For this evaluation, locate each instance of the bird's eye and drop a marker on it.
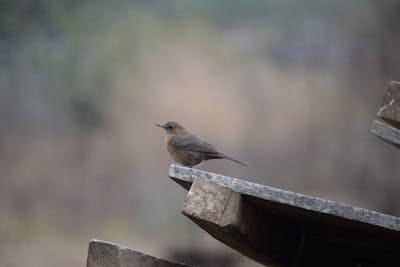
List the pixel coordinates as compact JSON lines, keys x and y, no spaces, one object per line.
{"x":169,"y":127}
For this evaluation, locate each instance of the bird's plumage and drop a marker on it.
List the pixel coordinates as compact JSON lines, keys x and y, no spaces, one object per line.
{"x":187,"y":149}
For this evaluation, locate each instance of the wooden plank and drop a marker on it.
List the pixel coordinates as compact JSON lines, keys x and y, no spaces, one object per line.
{"x":390,"y":105}
{"x":386,"y":132}
{"x":222,"y":213}
{"x":106,"y":254}
{"x":209,"y":201}
{"x":185,"y":177}
{"x":387,"y":127}
{"x":283,"y":228}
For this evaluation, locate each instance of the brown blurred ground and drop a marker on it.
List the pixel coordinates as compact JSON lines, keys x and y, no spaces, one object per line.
{"x":288,"y":87}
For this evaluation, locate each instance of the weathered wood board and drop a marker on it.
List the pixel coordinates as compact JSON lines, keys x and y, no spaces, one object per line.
{"x":282,"y":228}
{"x":390,"y":105}
{"x":106,"y":254}
{"x":387,"y":126}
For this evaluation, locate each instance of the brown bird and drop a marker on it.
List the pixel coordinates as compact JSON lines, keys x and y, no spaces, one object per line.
{"x":187,"y":149}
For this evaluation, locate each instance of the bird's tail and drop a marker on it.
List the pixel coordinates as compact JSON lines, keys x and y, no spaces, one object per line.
{"x":218,"y":155}
{"x":234,"y":160}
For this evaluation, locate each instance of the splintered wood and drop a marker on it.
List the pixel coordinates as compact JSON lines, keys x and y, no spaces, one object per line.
{"x":387,"y":126}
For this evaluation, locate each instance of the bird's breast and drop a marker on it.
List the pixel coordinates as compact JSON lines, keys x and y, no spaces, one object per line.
{"x":170,"y":147}
{"x":168,"y":140}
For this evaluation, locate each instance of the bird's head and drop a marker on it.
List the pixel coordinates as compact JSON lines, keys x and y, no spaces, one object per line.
{"x":172,"y":127}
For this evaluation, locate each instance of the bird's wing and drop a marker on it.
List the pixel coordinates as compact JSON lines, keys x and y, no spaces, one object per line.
{"x":190,"y":142}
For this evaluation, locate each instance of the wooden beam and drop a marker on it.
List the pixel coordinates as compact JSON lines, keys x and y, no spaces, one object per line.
{"x":387,"y":126}
{"x":226,"y":216}
{"x":106,"y":254}
{"x":214,"y":203}
{"x":185,"y":177}
{"x":386,"y":132}
{"x":282,"y":228}
{"x":390,"y":105}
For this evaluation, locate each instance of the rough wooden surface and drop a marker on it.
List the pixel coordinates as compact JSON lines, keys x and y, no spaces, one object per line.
{"x":387,"y":127}
{"x":185,"y":176}
{"x":214,"y":203}
{"x":222,"y":212}
{"x":390,"y":105}
{"x":286,"y":228}
{"x":386,"y":132}
{"x":106,"y":254}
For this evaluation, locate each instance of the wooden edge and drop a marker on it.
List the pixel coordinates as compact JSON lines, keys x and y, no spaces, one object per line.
{"x":390,"y":104}
{"x":185,"y":176}
{"x":107,"y":254}
{"x":217,"y":204}
{"x":387,"y":132}
{"x":226,"y":216}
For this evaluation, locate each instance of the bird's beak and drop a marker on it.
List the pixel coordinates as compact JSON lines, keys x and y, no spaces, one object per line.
{"x":160,"y":125}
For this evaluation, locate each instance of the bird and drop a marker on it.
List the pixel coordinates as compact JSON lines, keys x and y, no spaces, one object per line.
{"x":187,"y":149}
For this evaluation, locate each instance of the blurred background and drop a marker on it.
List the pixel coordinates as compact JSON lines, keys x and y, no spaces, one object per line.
{"x":290,"y":87}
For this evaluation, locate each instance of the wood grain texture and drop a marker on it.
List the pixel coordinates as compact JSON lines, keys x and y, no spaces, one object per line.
{"x":386,"y":132}
{"x":106,"y":254}
{"x":185,"y":177}
{"x":214,"y":203}
{"x":282,"y":228}
{"x":387,"y":126}
{"x":227,"y":217}
{"x":390,"y":105}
